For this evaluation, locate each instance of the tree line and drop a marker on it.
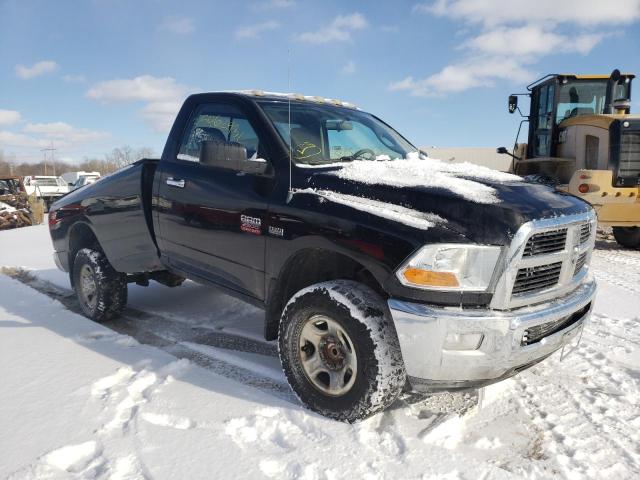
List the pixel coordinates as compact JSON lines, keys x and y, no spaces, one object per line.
{"x":118,"y":158}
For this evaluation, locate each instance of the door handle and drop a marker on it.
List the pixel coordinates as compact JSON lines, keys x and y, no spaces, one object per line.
{"x":175,"y":182}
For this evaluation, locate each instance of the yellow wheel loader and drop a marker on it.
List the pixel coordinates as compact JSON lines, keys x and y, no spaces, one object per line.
{"x":583,"y":139}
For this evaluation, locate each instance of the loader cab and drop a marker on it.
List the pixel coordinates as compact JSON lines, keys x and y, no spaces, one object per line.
{"x":557,"y":98}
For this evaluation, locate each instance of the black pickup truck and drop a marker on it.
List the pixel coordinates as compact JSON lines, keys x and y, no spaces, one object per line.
{"x":378,"y":268}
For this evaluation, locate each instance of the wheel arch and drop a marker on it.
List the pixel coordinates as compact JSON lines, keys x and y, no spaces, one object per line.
{"x":81,"y":235}
{"x":309,"y":266}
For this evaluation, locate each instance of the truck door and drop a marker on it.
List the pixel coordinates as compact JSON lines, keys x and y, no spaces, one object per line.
{"x":211,"y":219}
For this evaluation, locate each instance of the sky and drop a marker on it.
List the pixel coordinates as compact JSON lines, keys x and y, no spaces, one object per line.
{"x":89,"y":76}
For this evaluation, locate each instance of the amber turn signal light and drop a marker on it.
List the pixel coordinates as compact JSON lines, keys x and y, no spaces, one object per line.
{"x":430,"y":278}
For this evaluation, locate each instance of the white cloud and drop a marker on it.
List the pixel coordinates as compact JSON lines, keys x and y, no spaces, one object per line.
{"x":9,"y":117}
{"x":273,"y":4}
{"x":160,"y":115}
{"x":531,"y":40}
{"x":349,"y":68}
{"x":476,"y":72}
{"x":255,"y":31}
{"x":163,"y":97}
{"x":13,"y":139}
{"x":500,"y":12}
{"x":35,"y":70}
{"x":74,"y":78}
{"x":64,"y":131}
{"x":178,"y":24}
{"x":505,"y":38}
{"x":339,"y":30}
{"x":142,"y":88}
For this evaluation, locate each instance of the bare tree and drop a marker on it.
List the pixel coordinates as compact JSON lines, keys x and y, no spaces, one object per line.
{"x":118,"y":158}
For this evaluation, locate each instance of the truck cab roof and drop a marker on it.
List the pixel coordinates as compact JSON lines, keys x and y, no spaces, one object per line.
{"x":278,"y":96}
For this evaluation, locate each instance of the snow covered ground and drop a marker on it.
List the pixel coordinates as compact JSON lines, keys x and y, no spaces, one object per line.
{"x":184,"y":387}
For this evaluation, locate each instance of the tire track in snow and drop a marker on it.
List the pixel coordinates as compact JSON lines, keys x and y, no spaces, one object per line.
{"x":617,"y":266}
{"x":170,"y":336}
{"x":583,"y":423}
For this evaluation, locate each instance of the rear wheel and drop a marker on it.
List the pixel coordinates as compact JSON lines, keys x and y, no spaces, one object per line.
{"x":627,"y":236}
{"x":101,"y":291}
{"x":340,"y":351}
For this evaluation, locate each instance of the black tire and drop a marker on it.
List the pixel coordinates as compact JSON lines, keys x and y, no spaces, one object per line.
{"x":109,"y":297}
{"x":627,"y":236}
{"x":360,"y":313}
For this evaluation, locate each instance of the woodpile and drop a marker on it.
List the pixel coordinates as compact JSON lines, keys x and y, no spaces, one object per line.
{"x":15,"y":211}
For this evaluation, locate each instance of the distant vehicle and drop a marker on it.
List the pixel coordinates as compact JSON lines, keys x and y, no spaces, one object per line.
{"x":71,"y":178}
{"x":583,"y":139}
{"x":85,"y":180}
{"x":378,"y":268}
{"x":47,"y":187}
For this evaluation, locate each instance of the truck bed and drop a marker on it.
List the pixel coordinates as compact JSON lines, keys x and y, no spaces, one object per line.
{"x":118,"y":211}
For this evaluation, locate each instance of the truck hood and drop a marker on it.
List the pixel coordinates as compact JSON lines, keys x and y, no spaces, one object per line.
{"x":486,"y":208}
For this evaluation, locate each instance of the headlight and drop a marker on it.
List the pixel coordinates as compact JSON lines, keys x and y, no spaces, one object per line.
{"x":453,"y":266}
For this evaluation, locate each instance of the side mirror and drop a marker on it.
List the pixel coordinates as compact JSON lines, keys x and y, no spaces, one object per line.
{"x":513,"y":103}
{"x":502,"y":150}
{"x":230,"y":156}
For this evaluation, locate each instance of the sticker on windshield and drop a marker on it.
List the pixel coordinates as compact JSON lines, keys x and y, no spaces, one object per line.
{"x":307,"y":150}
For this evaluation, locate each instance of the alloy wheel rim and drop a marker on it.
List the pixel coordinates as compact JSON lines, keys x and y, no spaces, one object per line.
{"x":327,"y":355}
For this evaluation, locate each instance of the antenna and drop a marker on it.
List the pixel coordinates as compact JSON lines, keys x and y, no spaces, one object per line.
{"x":290,"y":192}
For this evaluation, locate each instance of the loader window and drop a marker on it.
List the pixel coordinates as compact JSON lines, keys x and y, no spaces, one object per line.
{"x":543,"y":121}
{"x":585,"y":97}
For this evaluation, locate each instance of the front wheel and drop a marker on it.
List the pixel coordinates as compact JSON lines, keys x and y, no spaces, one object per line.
{"x":101,"y":291}
{"x":340,"y":351}
{"x":627,"y":236}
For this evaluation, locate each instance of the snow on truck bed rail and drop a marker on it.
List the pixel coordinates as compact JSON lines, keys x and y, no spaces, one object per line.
{"x":415,"y":171}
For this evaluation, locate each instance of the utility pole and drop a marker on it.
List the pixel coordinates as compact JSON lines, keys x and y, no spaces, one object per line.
{"x":50,"y":149}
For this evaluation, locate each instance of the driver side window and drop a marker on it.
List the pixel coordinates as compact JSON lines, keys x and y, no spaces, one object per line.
{"x":225,"y":124}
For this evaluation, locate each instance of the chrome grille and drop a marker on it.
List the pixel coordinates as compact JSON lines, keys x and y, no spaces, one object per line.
{"x":534,"y":279}
{"x":585,"y":232}
{"x":580,"y":263}
{"x":542,"y":260}
{"x":546,"y":242}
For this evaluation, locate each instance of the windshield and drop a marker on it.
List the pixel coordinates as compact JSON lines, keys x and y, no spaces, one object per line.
{"x":326,"y":134}
{"x":586,"y":97}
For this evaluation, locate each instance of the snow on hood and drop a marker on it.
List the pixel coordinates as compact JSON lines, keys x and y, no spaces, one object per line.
{"x":415,"y":171}
{"x":389,"y":211}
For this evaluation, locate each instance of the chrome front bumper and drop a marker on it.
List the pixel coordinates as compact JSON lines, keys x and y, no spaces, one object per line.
{"x":433,"y":360}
